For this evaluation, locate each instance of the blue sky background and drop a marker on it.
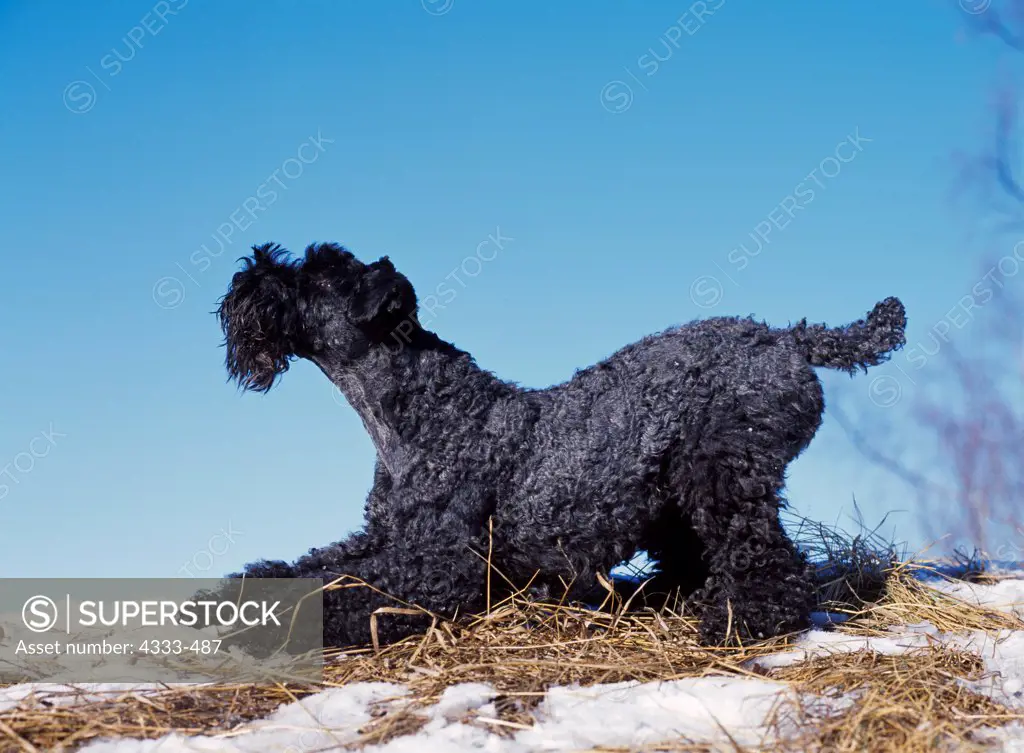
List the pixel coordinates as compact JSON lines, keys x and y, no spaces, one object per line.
{"x":440,"y":125}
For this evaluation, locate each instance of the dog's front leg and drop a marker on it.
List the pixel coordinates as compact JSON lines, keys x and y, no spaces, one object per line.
{"x":428,"y":564}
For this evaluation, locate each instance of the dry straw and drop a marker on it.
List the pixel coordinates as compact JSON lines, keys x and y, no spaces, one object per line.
{"x":910,"y":702}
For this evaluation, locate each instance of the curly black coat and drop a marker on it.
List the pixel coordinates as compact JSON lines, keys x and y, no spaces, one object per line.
{"x":677,"y":445}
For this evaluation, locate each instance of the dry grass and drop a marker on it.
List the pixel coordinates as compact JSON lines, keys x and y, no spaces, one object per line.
{"x":909,"y":702}
{"x":906,"y":600}
{"x":972,"y":567}
{"x":39,"y":725}
{"x":853,"y":567}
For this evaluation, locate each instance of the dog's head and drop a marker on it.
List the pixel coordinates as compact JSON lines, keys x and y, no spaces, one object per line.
{"x":328,"y":304}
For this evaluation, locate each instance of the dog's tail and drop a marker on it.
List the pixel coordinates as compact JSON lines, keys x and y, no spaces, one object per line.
{"x":867,"y":342}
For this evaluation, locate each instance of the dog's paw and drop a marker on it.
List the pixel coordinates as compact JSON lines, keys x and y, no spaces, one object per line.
{"x":729,"y":624}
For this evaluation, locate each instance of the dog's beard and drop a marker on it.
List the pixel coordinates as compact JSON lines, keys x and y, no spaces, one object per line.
{"x":260,"y":320}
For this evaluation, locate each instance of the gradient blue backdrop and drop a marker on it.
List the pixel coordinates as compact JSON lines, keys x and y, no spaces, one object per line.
{"x":127,"y":141}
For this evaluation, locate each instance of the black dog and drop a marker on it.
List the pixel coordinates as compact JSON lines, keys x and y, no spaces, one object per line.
{"x":676,"y":445}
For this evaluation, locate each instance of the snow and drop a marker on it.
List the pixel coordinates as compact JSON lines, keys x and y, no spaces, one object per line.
{"x":569,"y":719}
{"x":627,"y":714}
{"x":318,"y":722}
{"x":815,"y":643}
{"x":1003,"y":657}
{"x":1005,"y":595}
{"x":716,"y":710}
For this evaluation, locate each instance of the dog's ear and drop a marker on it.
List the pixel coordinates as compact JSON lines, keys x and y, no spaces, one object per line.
{"x":383,"y":298}
{"x":260,"y":318}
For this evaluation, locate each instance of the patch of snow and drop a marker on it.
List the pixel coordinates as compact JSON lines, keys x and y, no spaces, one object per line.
{"x":704,"y":709}
{"x":458,"y":700}
{"x":318,"y":722}
{"x":815,"y":643}
{"x":1008,"y":739}
{"x":824,"y":619}
{"x":1003,"y":657}
{"x":1005,"y":595}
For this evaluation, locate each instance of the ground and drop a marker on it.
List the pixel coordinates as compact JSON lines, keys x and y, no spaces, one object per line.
{"x":931,"y":663}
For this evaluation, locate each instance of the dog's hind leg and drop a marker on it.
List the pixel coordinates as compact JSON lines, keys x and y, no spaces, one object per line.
{"x":760,"y":584}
